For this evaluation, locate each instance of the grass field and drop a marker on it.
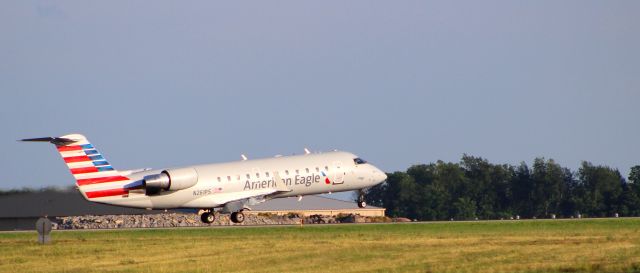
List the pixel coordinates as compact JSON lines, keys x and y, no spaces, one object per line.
{"x":611,"y":245}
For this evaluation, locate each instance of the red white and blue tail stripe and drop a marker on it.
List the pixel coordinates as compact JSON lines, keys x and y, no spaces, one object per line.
{"x":95,"y":177}
{"x":87,"y":165}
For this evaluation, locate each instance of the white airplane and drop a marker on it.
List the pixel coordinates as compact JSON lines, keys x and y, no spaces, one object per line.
{"x":230,"y":187}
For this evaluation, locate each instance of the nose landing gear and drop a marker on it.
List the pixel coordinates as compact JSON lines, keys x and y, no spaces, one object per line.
{"x":361,"y":203}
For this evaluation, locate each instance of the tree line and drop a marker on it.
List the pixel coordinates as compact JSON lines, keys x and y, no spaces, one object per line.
{"x":47,"y":189}
{"x":475,"y":188}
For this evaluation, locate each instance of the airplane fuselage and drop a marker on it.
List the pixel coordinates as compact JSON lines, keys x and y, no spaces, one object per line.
{"x":299,"y":175}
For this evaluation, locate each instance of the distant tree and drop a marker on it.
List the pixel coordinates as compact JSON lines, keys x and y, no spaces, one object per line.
{"x":630,"y":199}
{"x":602,"y":189}
{"x":422,"y":174}
{"x":572,"y":192}
{"x":401,"y":197}
{"x":432,"y":195}
{"x":634,"y":175}
{"x":449,"y":184}
{"x":433,"y":203}
{"x":464,"y":209}
{"x":523,"y":189}
{"x":478,"y":172}
{"x":548,"y":180}
{"x":501,"y":177}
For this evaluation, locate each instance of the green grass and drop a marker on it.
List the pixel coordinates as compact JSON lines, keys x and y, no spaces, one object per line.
{"x":607,"y":245}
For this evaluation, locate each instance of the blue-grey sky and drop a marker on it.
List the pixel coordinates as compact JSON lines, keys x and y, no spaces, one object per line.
{"x":159,"y":84}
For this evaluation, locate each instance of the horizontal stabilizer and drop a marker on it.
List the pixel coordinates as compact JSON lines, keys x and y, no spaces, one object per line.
{"x":54,"y":140}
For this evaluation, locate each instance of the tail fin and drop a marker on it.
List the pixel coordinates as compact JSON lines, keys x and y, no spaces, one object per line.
{"x":95,"y":177}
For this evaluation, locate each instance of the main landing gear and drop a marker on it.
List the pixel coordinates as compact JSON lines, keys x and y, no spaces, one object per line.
{"x":208,"y":217}
{"x":361,"y":203}
{"x":237,"y":217}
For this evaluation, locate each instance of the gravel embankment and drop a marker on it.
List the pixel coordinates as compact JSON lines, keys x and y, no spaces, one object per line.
{"x":193,"y":220}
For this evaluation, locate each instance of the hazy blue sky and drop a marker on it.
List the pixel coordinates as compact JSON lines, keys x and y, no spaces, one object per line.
{"x":159,"y":84}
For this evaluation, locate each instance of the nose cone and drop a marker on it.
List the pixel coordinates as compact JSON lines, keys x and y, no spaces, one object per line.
{"x":382,"y":176}
{"x":378,"y":175}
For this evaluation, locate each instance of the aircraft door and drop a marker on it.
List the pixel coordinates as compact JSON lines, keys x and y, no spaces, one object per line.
{"x":338,"y":174}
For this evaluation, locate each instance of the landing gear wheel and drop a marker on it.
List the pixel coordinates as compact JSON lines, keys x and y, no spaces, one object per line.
{"x":361,"y":202}
{"x":207,"y":217}
{"x":237,"y":217}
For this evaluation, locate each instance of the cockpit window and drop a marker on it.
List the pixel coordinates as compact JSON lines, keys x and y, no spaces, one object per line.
{"x":359,"y":161}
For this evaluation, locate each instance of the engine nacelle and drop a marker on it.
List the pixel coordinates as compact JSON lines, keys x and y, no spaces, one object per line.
{"x":170,"y":180}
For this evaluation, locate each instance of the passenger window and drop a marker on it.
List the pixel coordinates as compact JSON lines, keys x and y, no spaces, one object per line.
{"x":317,"y":169}
{"x":229,"y":178}
{"x":219,"y":180}
{"x":257,"y":175}
{"x":267,"y":174}
{"x":306,"y":169}
{"x":297,"y":172}
{"x":248,"y":176}
{"x":286,"y":172}
{"x":238,"y":177}
{"x":326,"y":168}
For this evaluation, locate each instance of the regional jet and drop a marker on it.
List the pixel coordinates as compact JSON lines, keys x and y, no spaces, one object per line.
{"x":231,"y":187}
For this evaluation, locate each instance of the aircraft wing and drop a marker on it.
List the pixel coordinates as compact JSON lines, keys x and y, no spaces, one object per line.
{"x":239,"y":200}
{"x":224,"y":198}
{"x":235,"y":201}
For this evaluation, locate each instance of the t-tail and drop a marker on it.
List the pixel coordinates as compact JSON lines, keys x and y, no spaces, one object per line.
{"x":96,"y":179}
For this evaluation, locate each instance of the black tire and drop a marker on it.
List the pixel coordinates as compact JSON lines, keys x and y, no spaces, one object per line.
{"x":237,"y":217}
{"x":232,"y":217}
{"x":207,"y":217}
{"x":362,"y":204}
